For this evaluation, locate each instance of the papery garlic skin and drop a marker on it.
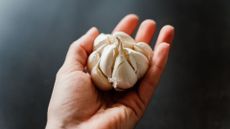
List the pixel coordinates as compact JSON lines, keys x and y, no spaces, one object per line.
{"x":118,"y":61}
{"x":93,"y":58}
{"x":107,"y":59}
{"x":144,"y":48}
{"x":139,"y":61}
{"x":99,"y":79}
{"x":127,"y":41}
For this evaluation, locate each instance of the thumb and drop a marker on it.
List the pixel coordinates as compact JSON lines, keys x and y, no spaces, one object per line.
{"x":80,"y":49}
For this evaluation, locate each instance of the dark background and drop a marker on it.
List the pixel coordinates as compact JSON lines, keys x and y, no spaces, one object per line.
{"x":194,"y":92}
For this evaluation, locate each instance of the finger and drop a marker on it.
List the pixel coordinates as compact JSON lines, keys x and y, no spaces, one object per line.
{"x":150,"y":80}
{"x":166,"y":35}
{"x":146,"y":31}
{"x":79,"y":50}
{"x":127,"y":24}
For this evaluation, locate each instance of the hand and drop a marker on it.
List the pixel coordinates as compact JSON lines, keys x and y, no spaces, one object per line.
{"x":77,"y":104}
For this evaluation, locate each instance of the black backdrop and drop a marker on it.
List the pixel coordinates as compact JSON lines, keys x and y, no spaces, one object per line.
{"x":194,"y":92}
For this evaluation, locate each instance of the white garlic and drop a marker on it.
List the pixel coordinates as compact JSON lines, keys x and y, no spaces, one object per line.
{"x":118,"y":61}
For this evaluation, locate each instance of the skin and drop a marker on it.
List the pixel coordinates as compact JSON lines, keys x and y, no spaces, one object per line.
{"x":77,"y":104}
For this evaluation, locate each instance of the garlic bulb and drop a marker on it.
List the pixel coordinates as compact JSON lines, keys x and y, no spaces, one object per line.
{"x":118,"y":61}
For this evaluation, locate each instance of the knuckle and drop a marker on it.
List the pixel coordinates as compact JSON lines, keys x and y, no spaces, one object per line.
{"x":72,"y":45}
{"x":159,"y":68}
{"x":60,"y":72}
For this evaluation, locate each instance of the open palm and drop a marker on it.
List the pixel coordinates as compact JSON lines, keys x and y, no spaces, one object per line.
{"x":77,"y":103}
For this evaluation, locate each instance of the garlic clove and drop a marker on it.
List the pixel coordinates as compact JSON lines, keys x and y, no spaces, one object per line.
{"x":101,"y":48}
{"x":101,"y":40}
{"x":93,"y":60}
{"x":107,"y":59}
{"x":127,"y":41}
{"x":138,"y":61}
{"x":123,"y":75}
{"x":144,"y":48}
{"x":99,"y":79}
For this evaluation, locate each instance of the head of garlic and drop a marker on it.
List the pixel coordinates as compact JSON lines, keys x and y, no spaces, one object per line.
{"x":118,"y":61}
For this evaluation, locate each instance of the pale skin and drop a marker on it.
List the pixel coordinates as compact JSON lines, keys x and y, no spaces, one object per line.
{"x":76,"y":103}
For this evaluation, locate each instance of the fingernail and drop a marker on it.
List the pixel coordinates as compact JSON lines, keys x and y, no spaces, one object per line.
{"x":91,"y":30}
{"x":133,"y":15}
